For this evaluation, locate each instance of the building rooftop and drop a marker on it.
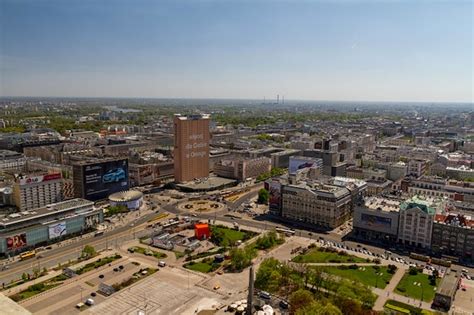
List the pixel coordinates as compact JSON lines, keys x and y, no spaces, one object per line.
{"x":424,"y":204}
{"x":59,"y":207}
{"x":192,"y":117}
{"x":383,"y":204}
{"x":448,"y":285}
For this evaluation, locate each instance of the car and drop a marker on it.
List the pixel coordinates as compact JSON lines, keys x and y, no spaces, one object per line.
{"x":49,"y":247}
{"x":264,"y":295}
{"x":116,"y":269}
{"x":89,"y":302}
{"x":121,"y":267}
{"x":161,"y":264}
{"x":284,"y":305}
{"x":114,"y":175}
{"x":80,"y":305}
{"x":93,"y":294}
{"x":220,"y":272}
{"x":464,"y":270}
{"x":217,"y":287}
{"x":101,"y":276}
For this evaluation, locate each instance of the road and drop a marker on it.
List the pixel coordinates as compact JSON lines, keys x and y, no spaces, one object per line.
{"x":70,"y":249}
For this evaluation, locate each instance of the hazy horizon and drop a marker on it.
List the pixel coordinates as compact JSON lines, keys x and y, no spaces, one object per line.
{"x":307,"y":51}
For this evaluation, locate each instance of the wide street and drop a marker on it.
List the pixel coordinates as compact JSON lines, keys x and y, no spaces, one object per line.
{"x":137,"y":227}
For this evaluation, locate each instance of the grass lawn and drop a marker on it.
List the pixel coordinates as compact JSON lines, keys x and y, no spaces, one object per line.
{"x":318,"y":255}
{"x":364,"y":274}
{"x":33,"y":290}
{"x":199,"y":266}
{"x":141,"y":250}
{"x":403,"y":308}
{"x":204,"y":266}
{"x":230,"y":234}
{"x":406,"y":287}
{"x":98,"y":263}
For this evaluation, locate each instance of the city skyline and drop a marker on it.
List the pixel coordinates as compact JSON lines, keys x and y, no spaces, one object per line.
{"x":341,"y":51}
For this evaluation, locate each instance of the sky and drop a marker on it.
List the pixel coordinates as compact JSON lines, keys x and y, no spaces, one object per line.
{"x":313,"y":50}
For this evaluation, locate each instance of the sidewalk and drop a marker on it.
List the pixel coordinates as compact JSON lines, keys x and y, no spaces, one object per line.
{"x":52,"y":273}
{"x":388,"y":294}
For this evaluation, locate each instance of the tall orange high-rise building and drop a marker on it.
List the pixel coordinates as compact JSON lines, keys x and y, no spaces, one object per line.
{"x":191,"y":147}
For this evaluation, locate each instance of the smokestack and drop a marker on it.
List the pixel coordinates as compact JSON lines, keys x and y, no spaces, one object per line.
{"x":250,"y":296}
{"x":278,"y":98}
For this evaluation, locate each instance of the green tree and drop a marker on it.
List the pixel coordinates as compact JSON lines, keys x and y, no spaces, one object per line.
{"x":300,"y":299}
{"x":241,"y":258}
{"x":88,"y":251}
{"x":263,"y":196}
{"x":317,"y":308}
{"x":24,"y":276}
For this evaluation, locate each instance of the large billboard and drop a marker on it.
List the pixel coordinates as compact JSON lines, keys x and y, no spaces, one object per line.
{"x":57,"y":230}
{"x":274,"y":188}
{"x":298,"y":163}
{"x":24,"y":180}
{"x":375,"y":221}
{"x":16,"y":241}
{"x":105,"y":178}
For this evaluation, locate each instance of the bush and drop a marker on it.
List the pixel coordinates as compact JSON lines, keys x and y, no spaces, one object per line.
{"x":353,"y":266}
{"x":401,"y":289}
{"x":412,"y":271}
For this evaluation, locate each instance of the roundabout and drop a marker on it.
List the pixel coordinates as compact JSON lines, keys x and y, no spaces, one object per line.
{"x":200,"y":206}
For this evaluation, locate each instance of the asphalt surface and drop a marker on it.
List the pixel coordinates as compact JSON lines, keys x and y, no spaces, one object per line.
{"x":71,"y":249}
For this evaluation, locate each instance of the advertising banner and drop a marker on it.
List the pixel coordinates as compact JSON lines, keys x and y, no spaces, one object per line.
{"x":103,"y":179}
{"x":299,"y":163}
{"x":24,"y":180}
{"x":275,"y":195}
{"x":57,"y":230}
{"x":16,"y":241}
{"x":376,"y":221}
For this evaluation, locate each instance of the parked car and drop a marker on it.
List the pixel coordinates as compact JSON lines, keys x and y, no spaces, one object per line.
{"x":264,"y":295}
{"x":89,"y":302}
{"x":284,"y":305}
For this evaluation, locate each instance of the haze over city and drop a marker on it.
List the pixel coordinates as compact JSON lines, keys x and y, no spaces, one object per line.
{"x":313,"y":50}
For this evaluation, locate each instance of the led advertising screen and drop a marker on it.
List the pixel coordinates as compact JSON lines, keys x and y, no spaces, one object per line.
{"x":102,"y":179}
{"x":16,"y":241}
{"x":57,"y":230}
{"x":376,"y":221}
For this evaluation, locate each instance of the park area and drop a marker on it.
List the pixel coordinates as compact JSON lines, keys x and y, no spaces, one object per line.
{"x":327,"y":255}
{"x":417,"y":286}
{"x":392,"y":306}
{"x":224,"y":236}
{"x":205,"y":266}
{"x":147,"y":252}
{"x":374,"y":276}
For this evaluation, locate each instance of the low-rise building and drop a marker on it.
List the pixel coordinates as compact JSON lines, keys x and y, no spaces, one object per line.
{"x":29,"y":229}
{"x":453,"y":235}
{"x":376,"y":220}
{"x":416,"y":222}
{"x":241,"y":169}
{"x":37,"y":190}
{"x":316,"y":203}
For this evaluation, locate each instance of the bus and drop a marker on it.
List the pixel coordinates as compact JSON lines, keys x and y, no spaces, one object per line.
{"x":27,"y":255}
{"x":286,"y":231}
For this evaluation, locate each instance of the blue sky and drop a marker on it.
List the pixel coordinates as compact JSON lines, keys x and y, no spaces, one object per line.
{"x":318,"y":50}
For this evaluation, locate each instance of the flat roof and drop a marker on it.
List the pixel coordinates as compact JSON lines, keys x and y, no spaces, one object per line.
{"x":59,"y":207}
{"x":384,"y":204}
{"x":210,"y":183}
{"x":448,"y":285}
